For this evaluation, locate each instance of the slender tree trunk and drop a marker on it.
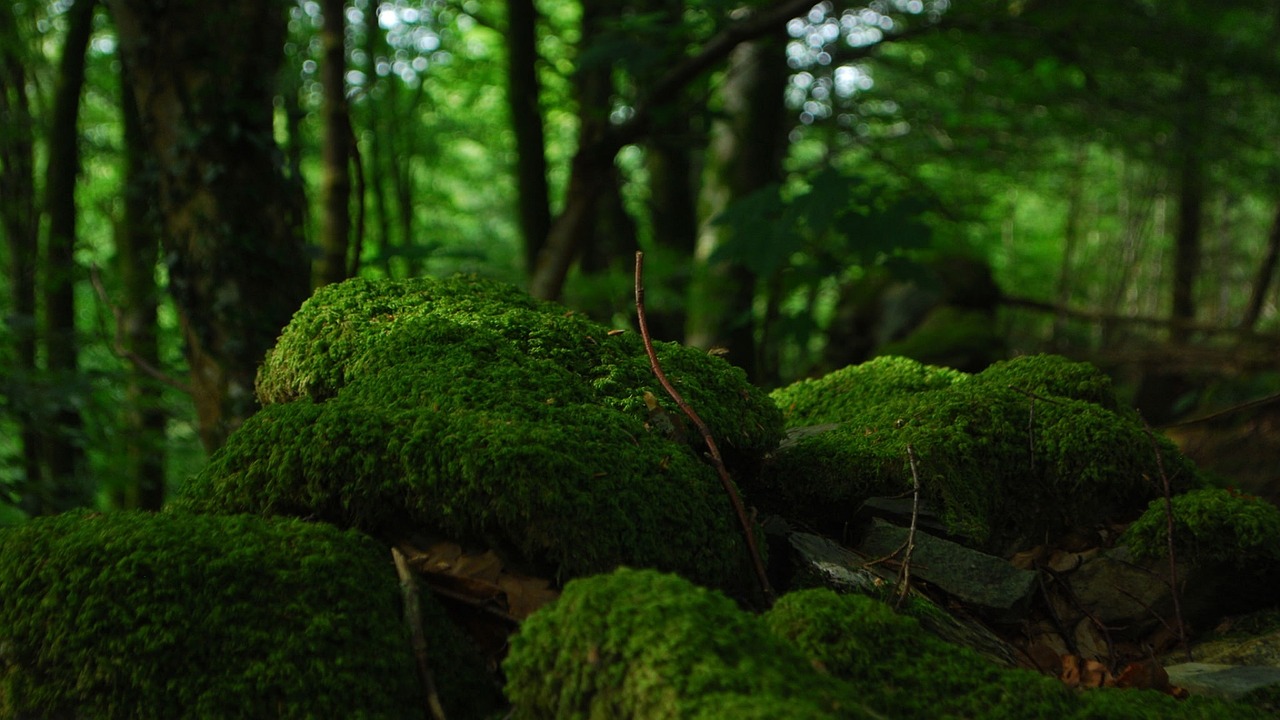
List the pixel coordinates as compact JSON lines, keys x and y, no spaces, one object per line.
{"x":1070,"y":242}
{"x":335,"y":188}
{"x":19,"y":216}
{"x":204,"y":77}
{"x":137,"y":248}
{"x":524,"y":96}
{"x":376,"y":161}
{"x":747,"y":148}
{"x":1266,"y":272}
{"x":64,"y":451}
{"x":1191,"y":200}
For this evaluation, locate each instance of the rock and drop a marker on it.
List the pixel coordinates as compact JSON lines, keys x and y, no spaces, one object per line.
{"x":830,"y":565}
{"x":1222,"y":680}
{"x":983,"y":581}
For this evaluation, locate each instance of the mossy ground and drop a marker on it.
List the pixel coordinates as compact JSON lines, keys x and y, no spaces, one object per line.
{"x":642,"y":644}
{"x":134,"y":615}
{"x":467,"y":408}
{"x":1025,"y":449}
{"x":639,"y":644}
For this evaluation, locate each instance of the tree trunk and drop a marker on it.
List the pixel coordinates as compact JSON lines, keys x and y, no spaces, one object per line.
{"x":64,"y":452}
{"x":335,"y":187}
{"x":524,"y":95}
{"x":1266,"y":271}
{"x":137,"y":248}
{"x":19,"y":216}
{"x":1191,"y":199}
{"x":204,"y":76}
{"x":747,"y":147}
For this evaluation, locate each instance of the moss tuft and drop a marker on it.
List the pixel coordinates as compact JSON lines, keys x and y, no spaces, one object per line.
{"x":133,"y":615}
{"x":641,"y":644}
{"x":468,"y":408}
{"x":1210,"y":525}
{"x":904,"y":672}
{"x":1025,"y":448}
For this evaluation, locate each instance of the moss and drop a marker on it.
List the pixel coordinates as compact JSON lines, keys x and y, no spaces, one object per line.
{"x":134,"y":615}
{"x":1001,"y":466}
{"x":472,"y":410}
{"x":904,"y":672}
{"x":641,"y":644}
{"x":1210,"y":525}
{"x":838,"y":395}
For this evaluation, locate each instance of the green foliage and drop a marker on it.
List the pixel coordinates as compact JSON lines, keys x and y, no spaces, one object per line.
{"x":1210,"y":525}
{"x":468,"y":408}
{"x":1000,"y":465}
{"x":899,"y":669}
{"x":135,"y":615}
{"x":641,"y":644}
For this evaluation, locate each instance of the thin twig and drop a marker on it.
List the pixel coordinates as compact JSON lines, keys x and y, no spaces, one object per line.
{"x":713,"y":450}
{"x":904,"y":580}
{"x":117,"y":342}
{"x":1173,"y":559}
{"x":413,"y":617}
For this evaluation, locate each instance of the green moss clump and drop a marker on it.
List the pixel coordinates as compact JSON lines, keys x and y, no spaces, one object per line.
{"x":1025,"y":448}
{"x":135,"y":615}
{"x":839,"y":395}
{"x":468,"y":408}
{"x":641,"y":644}
{"x":904,"y":672}
{"x":1210,"y":525}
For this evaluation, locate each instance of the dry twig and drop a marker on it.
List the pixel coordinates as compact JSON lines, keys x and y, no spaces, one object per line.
{"x":713,"y":450}
{"x":413,"y":617}
{"x":1180,"y":626}
{"x":904,"y":579}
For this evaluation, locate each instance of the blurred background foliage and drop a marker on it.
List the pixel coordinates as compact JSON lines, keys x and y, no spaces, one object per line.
{"x":813,"y":184}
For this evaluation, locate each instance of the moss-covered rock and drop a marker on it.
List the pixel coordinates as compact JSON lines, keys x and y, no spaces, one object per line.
{"x":1027,"y":447}
{"x":1210,"y":526}
{"x":468,"y":408}
{"x":133,"y":615}
{"x":641,"y":644}
{"x":902,"y":671}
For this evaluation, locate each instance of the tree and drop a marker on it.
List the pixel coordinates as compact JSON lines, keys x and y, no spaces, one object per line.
{"x":335,"y":190}
{"x":64,"y":455}
{"x":203,"y":77}
{"x":20,"y":219}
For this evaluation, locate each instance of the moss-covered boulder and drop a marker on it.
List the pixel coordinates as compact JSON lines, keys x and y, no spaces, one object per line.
{"x":467,"y":408}
{"x":1028,"y":447}
{"x":905,"y":672}
{"x":133,"y":615}
{"x":641,"y":644}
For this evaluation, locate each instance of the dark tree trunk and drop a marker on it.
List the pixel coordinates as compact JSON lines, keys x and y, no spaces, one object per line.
{"x":137,"y":248}
{"x":1191,"y":199}
{"x":747,"y":147}
{"x":670,"y":160}
{"x":1262,"y":281}
{"x":524,"y":94}
{"x":335,"y":188}
{"x":204,"y":79}
{"x":19,"y":216}
{"x":64,"y":452}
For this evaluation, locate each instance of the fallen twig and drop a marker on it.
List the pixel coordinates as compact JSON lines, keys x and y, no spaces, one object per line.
{"x":904,"y":579}
{"x":713,"y":450}
{"x":413,"y":617}
{"x":1180,"y":626}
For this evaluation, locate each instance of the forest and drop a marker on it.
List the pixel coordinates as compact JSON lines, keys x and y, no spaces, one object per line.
{"x":812,"y":186}
{"x":804,"y":179}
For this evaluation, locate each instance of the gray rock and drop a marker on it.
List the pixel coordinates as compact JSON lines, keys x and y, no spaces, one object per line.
{"x":1219,"y":680}
{"x":982,"y":581}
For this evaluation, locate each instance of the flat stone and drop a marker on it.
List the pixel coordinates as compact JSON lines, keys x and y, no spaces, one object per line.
{"x":980,"y":580}
{"x":1219,"y":680}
